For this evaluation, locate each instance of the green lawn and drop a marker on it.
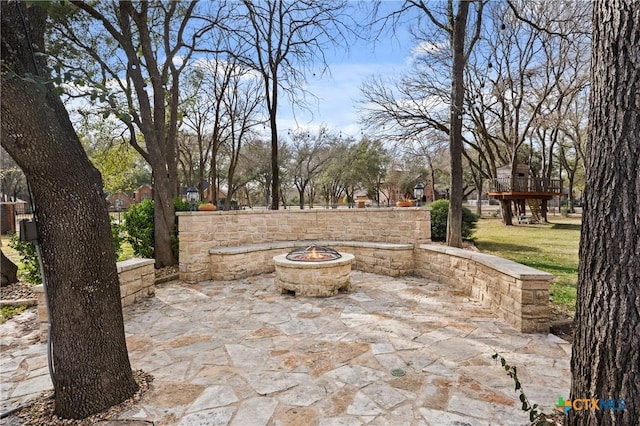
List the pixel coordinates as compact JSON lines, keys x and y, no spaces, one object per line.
{"x":550,"y":247}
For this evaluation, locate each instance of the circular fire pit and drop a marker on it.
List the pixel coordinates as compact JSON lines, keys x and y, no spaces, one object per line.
{"x":317,"y":275}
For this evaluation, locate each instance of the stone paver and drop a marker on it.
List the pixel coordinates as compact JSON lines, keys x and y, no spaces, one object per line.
{"x":240,"y":353}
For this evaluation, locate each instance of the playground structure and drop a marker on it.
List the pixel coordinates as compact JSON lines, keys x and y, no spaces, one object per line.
{"x":522,"y":189}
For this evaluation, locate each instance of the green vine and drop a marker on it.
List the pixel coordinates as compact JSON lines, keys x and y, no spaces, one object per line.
{"x":536,"y":417}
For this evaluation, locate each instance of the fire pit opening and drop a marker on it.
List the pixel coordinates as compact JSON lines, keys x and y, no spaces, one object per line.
{"x":313,"y":253}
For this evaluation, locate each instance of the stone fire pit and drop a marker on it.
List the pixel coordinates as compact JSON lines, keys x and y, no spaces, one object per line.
{"x":313,"y":278}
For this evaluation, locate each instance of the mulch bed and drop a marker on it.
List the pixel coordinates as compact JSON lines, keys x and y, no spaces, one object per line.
{"x":41,"y":410}
{"x":19,"y":290}
{"x":562,"y":325}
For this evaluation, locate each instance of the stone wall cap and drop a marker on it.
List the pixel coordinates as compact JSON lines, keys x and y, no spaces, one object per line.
{"x":368,"y":244}
{"x":506,"y":266}
{"x":305,"y":211}
{"x":133,"y":263}
{"x":248,"y":248}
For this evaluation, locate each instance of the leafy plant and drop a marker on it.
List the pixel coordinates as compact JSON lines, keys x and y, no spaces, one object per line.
{"x":139,"y":225}
{"x":30,"y":269}
{"x":181,"y":205}
{"x":439,"y":213}
{"x":536,"y":417}
{"x":116,"y":235}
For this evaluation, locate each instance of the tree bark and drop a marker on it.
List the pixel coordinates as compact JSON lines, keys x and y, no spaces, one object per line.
{"x":454,"y":218}
{"x":606,"y":351}
{"x":507,"y":213}
{"x":90,"y":360}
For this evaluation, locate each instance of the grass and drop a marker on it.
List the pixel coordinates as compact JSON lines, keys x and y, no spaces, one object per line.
{"x":549,"y":247}
{"x":7,"y":312}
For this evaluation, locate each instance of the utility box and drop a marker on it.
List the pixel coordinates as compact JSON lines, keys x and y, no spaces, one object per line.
{"x":28,"y":230}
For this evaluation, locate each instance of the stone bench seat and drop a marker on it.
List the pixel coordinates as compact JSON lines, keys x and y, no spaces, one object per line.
{"x":517,"y":293}
{"x":234,"y":262}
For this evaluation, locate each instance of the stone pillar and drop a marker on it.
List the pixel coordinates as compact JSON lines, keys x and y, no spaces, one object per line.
{"x":43,"y":315}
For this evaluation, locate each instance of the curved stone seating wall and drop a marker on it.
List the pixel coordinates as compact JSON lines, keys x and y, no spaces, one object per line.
{"x":231,"y":245}
{"x":235,"y":244}
{"x":517,"y":293}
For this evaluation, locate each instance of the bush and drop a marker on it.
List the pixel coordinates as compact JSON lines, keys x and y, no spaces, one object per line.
{"x":116,"y":235}
{"x":138,"y":222}
{"x":181,"y":205}
{"x":139,"y":226}
{"x":30,"y":269}
{"x":439,"y":213}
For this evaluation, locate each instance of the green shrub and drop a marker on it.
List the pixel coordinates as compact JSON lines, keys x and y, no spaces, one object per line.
{"x":30,"y":269}
{"x":139,"y":227}
{"x":116,"y":235}
{"x":181,"y":205}
{"x":439,"y":213}
{"x":138,"y":223}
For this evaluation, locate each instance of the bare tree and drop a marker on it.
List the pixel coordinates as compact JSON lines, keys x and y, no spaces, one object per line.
{"x":254,"y":167}
{"x":521,"y":84}
{"x":333,"y":181}
{"x":574,"y":141}
{"x":13,"y":184}
{"x":288,"y":39}
{"x":309,"y":156}
{"x":240,"y":101}
{"x":447,"y":34}
{"x":606,"y":347}
{"x":197,"y":144}
{"x":566,"y":66}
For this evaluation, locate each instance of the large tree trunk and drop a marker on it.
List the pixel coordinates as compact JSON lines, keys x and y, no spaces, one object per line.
{"x":164,"y":218}
{"x":507,"y":213}
{"x":90,"y":360}
{"x":454,"y":218}
{"x":606,"y":352}
{"x":544,"y":210}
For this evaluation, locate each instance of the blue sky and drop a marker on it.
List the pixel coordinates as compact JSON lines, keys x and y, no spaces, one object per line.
{"x":338,"y":91}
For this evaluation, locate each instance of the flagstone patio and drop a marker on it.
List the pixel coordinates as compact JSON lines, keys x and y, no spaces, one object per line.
{"x":392,"y":351}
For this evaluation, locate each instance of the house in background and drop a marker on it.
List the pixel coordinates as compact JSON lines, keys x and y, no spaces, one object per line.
{"x":12,"y":210}
{"x":119,"y":202}
{"x":144,"y":192}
